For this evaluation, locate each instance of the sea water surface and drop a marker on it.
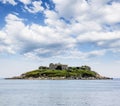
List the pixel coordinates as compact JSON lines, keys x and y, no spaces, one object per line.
{"x":59,"y":92}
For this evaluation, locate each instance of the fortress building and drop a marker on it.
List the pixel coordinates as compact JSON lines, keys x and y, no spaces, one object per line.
{"x":58,"y":66}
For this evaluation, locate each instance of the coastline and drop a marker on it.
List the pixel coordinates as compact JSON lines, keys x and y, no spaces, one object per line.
{"x":57,"y":78}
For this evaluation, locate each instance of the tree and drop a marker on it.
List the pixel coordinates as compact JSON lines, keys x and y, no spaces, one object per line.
{"x":85,"y":68}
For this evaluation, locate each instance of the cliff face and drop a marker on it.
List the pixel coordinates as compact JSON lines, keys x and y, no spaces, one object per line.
{"x":83,"y":72}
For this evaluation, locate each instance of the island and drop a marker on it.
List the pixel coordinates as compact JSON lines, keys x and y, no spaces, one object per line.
{"x":61,"y":72}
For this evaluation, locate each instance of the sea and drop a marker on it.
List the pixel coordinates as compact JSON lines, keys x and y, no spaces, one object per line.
{"x":59,"y":92}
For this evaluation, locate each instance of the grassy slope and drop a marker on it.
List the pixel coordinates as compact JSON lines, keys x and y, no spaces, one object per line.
{"x":76,"y":73}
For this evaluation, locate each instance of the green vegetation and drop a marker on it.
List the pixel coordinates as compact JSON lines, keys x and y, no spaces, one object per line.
{"x":60,"y":71}
{"x":71,"y":72}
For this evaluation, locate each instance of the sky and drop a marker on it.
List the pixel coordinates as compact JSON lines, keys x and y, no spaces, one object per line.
{"x":73,"y":32}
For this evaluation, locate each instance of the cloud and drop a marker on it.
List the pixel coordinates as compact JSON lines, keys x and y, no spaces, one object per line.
{"x":91,"y":21}
{"x":65,"y":30}
{"x":8,"y":1}
{"x":35,"y":7}
{"x":101,"y":11}
{"x":116,"y":44}
{"x":101,"y":39}
{"x":25,"y":2}
{"x":83,"y":56}
{"x":29,"y":5}
{"x":111,"y":13}
{"x":35,"y":39}
{"x":74,"y":8}
{"x":5,"y":42}
{"x":99,"y":36}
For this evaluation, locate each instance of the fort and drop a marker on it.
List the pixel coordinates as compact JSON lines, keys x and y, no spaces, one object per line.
{"x":56,"y":66}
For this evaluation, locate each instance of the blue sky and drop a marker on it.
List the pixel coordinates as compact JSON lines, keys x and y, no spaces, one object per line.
{"x":73,"y":32}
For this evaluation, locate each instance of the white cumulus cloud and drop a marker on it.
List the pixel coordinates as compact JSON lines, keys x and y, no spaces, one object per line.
{"x":70,"y":25}
{"x":26,"y":1}
{"x":36,"y":39}
{"x":8,"y":1}
{"x":35,"y":7}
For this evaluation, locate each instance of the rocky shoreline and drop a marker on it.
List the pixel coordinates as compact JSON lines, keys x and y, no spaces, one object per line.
{"x":58,"y":78}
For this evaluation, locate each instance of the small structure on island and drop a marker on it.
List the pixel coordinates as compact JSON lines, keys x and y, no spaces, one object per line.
{"x":43,"y":67}
{"x":58,"y":66}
